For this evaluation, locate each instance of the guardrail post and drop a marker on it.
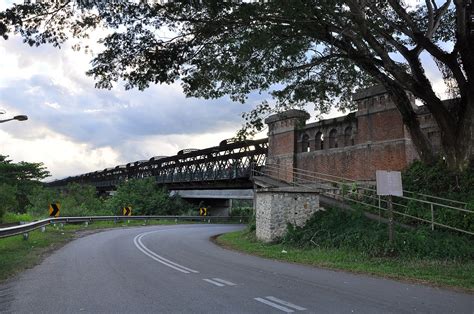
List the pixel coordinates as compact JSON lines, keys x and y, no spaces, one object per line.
{"x":26,"y":235}
{"x":43,"y":229}
{"x":86,"y":223}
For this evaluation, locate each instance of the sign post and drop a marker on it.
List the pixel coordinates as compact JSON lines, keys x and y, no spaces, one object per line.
{"x":389,"y":183}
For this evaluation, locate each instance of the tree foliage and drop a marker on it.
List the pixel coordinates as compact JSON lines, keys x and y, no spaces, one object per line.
{"x":301,"y":52}
{"x":146,"y":198}
{"x":17,"y":181}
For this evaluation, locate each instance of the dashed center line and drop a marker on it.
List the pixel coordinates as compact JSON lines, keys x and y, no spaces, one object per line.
{"x":224,"y":282}
{"x":284,"y":306}
{"x":214,"y":282}
{"x":219,"y":282}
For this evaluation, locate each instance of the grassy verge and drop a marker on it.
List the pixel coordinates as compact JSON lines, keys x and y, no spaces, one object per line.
{"x":17,"y":254}
{"x":434,"y":272}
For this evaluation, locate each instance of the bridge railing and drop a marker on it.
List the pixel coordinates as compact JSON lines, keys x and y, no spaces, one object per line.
{"x":28,"y":227}
{"x":228,"y":161}
{"x":413,"y":208}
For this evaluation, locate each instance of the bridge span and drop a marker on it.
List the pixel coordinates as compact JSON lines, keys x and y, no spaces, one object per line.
{"x":220,"y":173}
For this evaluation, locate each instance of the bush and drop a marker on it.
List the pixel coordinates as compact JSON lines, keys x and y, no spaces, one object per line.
{"x":438,"y":180}
{"x":338,"y":229}
{"x":146,"y":198}
{"x":11,"y":217}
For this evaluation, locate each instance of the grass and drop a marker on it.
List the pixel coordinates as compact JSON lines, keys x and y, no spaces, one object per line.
{"x":17,"y":254}
{"x":457,"y":275}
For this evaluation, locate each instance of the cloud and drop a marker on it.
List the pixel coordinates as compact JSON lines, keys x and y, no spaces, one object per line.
{"x":75,"y":128}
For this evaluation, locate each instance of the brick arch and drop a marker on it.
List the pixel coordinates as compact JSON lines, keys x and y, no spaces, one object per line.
{"x":305,"y":143}
{"x":348,"y":136}
{"x":319,"y":141}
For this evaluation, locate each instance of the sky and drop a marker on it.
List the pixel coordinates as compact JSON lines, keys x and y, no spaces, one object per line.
{"x":74,"y":128}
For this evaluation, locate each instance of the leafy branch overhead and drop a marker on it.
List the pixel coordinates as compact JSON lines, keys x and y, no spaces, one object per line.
{"x":300,"y":52}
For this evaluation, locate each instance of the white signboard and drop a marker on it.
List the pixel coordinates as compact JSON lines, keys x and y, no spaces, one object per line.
{"x":389,"y":183}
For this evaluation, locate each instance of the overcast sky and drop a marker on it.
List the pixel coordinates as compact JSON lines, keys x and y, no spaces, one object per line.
{"x":74,"y":128}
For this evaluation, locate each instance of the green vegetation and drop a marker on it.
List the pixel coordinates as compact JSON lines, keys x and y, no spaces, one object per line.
{"x":17,"y":182}
{"x":146,"y":198}
{"x":439,"y":181}
{"x":349,"y":241}
{"x":444,"y":273}
{"x":241,"y":208}
{"x":352,"y":231}
{"x":424,"y":180}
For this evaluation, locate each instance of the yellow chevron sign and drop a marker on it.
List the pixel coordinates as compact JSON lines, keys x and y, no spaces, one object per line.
{"x":127,"y":211}
{"x":54,"y":209}
{"x":203,"y":211}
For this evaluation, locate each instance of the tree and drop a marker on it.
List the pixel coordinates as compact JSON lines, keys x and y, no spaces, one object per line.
{"x":317,"y":51}
{"x":145,"y":198}
{"x":17,"y":181}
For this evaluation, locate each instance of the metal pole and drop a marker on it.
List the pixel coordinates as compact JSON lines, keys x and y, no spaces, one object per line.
{"x":432,"y":217}
{"x":380,"y":218}
{"x":390,"y":219}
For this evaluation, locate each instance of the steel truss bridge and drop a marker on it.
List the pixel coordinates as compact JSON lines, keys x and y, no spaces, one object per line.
{"x":228,"y":165}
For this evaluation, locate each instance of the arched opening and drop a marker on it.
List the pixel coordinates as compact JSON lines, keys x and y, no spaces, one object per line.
{"x":333,"y":138}
{"x":348,"y":139}
{"x":305,"y":143}
{"x":319,"y":141}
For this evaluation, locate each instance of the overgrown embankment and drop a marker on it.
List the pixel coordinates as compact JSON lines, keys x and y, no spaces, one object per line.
{"x":349,"y":241}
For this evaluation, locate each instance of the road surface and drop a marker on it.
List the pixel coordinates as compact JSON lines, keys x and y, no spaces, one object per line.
{"x":176,"y":269}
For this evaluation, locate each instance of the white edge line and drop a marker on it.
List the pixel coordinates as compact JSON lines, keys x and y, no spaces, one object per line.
{"x":296,"y":307}
{"x":161,"y":257}
{"x":281,"y":308}
{"x":214,"y":282}
{"x":224,"y":281}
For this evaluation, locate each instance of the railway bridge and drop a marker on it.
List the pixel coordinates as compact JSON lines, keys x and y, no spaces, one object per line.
{"x":352,"y":146}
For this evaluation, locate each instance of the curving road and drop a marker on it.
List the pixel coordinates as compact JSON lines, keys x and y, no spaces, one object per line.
{"x":175,"y":269}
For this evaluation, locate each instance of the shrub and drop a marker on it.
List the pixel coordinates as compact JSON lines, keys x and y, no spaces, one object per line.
{"x":339,"y":229}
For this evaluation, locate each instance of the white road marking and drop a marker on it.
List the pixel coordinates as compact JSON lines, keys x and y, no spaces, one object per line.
{"x":138,"y":243}
{"x":214,"y":282}
{"x":224,"y":281}
{"x":277,"y":306}
{"x":164,"y":259}
{"x":296,"y":307}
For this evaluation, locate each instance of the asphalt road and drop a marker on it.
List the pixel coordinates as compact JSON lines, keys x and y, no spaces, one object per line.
{"x":175,"y":269}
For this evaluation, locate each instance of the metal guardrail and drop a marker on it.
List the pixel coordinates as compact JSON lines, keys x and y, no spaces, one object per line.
{"x":337,"y":188}
{"x":25,"y":228}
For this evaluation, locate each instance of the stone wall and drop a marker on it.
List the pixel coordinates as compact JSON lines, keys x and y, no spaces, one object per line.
{"x":275,"y":208}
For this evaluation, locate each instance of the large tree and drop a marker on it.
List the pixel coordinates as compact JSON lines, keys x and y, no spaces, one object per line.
{"x":17,"y":182}
{"x":300,"y":51}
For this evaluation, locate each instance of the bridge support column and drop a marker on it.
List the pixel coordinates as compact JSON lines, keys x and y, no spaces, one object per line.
{"x":280,"y":206}
{"x":282,"y":142}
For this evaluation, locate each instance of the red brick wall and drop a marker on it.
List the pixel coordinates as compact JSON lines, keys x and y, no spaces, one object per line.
{"x":380,"y":126}
{"x":357,"y":162}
